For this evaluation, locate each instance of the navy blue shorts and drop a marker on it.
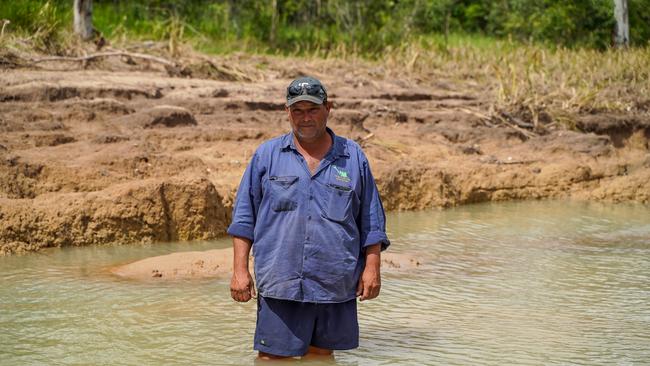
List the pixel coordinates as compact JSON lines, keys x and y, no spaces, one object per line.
{"x":288,"y":328}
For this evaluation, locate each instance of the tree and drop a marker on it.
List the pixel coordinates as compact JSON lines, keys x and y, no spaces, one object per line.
{"x":274,"y":22}
{"x":622,"y":38}
{"x":83,"y":18}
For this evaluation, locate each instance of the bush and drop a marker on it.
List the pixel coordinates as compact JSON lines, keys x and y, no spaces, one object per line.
{"x":368,"y":26}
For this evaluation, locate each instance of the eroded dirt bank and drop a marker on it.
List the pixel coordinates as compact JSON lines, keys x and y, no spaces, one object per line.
{"x":132,"y":155}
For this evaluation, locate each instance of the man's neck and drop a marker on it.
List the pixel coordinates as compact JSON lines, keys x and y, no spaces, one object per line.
{"x":317,"y":148}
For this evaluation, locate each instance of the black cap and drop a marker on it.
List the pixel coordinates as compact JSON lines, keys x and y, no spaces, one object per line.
{"x":306,"y":88}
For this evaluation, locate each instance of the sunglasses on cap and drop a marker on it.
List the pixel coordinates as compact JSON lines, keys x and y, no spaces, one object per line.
{"x":315,"y":90}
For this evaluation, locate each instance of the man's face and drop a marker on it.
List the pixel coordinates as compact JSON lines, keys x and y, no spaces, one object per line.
{"x":308,"y":120}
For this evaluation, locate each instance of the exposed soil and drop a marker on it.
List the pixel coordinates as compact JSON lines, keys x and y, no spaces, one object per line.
{"x":127,"y":153}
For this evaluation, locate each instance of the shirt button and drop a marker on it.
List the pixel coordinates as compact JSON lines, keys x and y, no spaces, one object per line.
{"x":309,"y":217}
{"x":307,"y":238}
{"x":311,"y":198}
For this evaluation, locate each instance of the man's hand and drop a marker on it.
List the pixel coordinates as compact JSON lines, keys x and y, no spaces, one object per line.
{"x":242,"y":287}
{"x":370,"y":281}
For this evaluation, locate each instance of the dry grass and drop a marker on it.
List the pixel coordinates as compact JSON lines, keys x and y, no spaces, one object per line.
{"x":535,"y":83}
{"x":532,"y":83}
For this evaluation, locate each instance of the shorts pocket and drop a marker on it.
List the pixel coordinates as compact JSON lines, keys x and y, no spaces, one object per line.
{"x":283,"y":192}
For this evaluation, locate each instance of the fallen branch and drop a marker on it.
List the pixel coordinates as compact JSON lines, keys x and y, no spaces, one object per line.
{"x":105,"y":54}
{"x":514,"y":162}
{"x":4,"y":24}
{"x":482,"y":117}
{"x":229,"y":71}
{"x":526,"y":133}
{"x":509,"y":161}
{"x":367,"y":137}
{"x":517,"y":121}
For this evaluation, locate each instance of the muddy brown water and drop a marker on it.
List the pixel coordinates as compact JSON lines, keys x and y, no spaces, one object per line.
{"x":518,"y":283}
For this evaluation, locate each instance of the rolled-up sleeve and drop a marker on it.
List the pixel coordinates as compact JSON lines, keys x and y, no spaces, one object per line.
{"x":373,"y":218}
{"x":247,"y":202}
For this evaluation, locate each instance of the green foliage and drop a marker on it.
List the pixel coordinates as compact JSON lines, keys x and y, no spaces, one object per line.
{"x":32,"y":15}
{"x":362,"y":26}
{"x":566,"y":23}
{"x":639,"y":21}
{"x":42,"y":21}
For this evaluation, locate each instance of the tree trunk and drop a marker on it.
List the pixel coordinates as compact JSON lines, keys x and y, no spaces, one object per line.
{"x":447,"y":21}
{"x":83,"y":18}
{"x":622,"y":38}
{"x":274,"y":21}
{"x":449,"y":9}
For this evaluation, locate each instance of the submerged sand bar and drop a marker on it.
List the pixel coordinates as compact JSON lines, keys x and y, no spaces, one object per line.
{"x":218,"y":263}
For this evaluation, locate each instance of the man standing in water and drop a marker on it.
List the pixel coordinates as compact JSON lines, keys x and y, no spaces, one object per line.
{"x":309,"y":208}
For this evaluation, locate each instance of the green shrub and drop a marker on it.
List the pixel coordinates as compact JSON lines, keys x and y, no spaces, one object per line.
{"x":366,"y":26}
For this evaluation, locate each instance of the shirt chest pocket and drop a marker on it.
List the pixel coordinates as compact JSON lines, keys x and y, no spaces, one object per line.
{"x":341,"y":203}
{"x":283,"y":192}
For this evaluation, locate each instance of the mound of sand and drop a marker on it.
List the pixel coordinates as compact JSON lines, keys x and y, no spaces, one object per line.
{"x":218,"y":263}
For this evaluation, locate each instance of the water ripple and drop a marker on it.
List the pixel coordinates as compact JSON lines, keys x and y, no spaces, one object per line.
{"x":520,"y":284}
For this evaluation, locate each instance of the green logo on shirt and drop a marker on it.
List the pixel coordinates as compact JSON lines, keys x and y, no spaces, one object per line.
{"x":342,"y":175}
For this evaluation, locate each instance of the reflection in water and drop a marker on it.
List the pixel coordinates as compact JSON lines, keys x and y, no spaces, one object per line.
{"x":518,"y":283}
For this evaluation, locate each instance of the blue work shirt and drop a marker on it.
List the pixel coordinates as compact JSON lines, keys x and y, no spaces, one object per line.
{"x":308,"y":231}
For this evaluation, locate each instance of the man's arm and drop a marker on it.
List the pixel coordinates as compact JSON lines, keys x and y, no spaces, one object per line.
{"x":373,"y":235}
{"x":242,"y":287}
{"x":370,"y":281}
{"x":242,"y":228}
